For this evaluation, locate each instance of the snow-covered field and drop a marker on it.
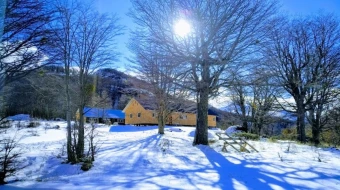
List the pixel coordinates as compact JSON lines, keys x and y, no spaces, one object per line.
{"x":138,"y":158}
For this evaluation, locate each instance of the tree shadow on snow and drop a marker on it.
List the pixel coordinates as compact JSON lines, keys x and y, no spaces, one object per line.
{"x":144,"y":170}
{"x":140,"y":164}
{"x":131,"y":128}
{"x":235,"y":173}
{"x":9,"y":187}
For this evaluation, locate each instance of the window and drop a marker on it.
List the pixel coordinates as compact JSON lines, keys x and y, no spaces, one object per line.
{"x":153,"y":114}
{"x":139,"y":114}
{"x":214,"y":118}
{"x":183,"y":116}
{"x":131,"y":115}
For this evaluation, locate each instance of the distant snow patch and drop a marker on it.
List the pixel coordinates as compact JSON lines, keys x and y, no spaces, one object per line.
{"x":20,"y":117}
{"x":232,"y":130}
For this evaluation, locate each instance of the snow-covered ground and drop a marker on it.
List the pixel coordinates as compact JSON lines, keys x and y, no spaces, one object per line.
{"x":138,"y":158}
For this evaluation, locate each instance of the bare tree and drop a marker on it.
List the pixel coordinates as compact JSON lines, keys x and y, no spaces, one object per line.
{"x":94,"y":48}
{"x":326,"y":69}
{"x":263,"y":100}
{"x":64,"y":29}
{"x":252,"y":94}
{"x":304,"y":58}
{"x":24,"y":38}
{"x":160,"y":74}
{"x":22,"y":43}
{"x":93,"y":144}
{"x":240,"y":93}
{"x":83,"y":39}
{"x":222,"y":33}
{"x":9,"y":158}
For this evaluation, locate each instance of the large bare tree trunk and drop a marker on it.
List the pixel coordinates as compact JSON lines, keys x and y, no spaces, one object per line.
{"x":81,"y":132}
{"x":316,"y":134}
{"x":161,"y":125}
{"x":243,"y":112}
{"x":161,"y":117}
{"x":201,"y":135}
{"x":301,"y":133}
{"x":315,"y":121}
{"x":70,"y":152}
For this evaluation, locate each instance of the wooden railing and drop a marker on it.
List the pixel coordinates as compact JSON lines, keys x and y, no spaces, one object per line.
{"x":232,"y":141}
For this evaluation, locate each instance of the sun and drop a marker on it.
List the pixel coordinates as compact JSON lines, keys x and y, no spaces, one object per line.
{"x":182,"y":28}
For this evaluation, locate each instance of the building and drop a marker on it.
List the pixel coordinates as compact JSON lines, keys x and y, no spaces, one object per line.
{"x":137,"y":114}
{"x":103,"y":115}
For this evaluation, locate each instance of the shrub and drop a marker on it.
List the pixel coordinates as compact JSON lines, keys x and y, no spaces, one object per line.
{"x":289,"y":134}
{"x":274,"y":138}
{"x":309,"y":133}
{"x":48,"y":126}
{"x":5,"y":124}
{"x":212,"y":141}
{"x":87,"y":165}
{"x":331,"y":138}
{"x":33,"y":133}
{"x":9,"y":158}
{"x":243,"y":148}
{"x":248,"y":136}
{"x":33,"y":124}
{"x":20,"y":125}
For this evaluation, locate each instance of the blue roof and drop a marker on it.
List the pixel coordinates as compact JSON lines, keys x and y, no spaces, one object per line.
{"x":103,"y":113}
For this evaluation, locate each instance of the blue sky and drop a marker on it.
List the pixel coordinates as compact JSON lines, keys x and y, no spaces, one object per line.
{"x":289,"y":7}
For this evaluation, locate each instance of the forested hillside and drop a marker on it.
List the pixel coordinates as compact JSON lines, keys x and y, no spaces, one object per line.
{"x":41,"y":93}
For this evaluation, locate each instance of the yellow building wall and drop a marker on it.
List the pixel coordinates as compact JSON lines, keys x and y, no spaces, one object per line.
{"x":151,"y":119}
{"x":131,"y":114}
{"x":134,"y":107}
{"x":190,"y":119}
{"x":186,"y":119}
{"x":212,"y":120}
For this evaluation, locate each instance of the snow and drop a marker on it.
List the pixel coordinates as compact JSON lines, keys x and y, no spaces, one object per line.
{"x":132,"y":157}
{"x":19,"y":117}
{"x":232,"y":130}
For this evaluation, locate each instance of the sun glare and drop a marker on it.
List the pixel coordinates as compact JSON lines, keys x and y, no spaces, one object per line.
{"x":182,"y":28}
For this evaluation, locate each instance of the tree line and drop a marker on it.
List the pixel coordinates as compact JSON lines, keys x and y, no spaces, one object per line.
{"x":60,"y":32}
{"x":263,"y":61}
